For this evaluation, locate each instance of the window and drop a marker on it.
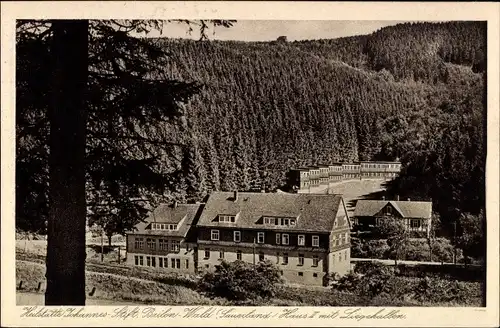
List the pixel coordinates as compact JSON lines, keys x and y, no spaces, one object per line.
{"x":301,"y":274}
{"x":315,"y":260}
{"x":269,"y":220}
{"x":226,"y":218}
{"x":136,"y":260}
{"x":215,"y":234}
{"x":315,"y":241}
{"x":345,"y":255}
{"x":301,"y":240}
{"x":315,"y":275}
{"x":160,"y":262}
{"x":237,"y":236}
{"x":178,"y":263}
{"x":187,"y":263}
{"x":260,"y":237}
{"x":162,"y":244}
{"x":285,"y":239}
{"x":261,"y":256}
{"x":221,"y":254}
{"x":278,"y":239}
{"x":172,"y":263}
{"x":153,"y":262}
{"x":141,"y":260}
{"x":292,"y":222}
{"x":165,"y":262}
{"x":285,"y":258}
{"x":175,"y":246}
{"x":301,"y":259}
{"x":139,"y":243}
{"x":388,"y":210}
{"x":207,"y":253}
{"x":148,"y":260}
{"x":238,"y":255}
{"x":151,"y":243}
{"x":286,"y":221}
{"x":340,"y":257}
{"x":415,"y":223}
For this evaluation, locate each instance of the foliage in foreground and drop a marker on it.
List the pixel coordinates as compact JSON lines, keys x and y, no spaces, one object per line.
{"x":415,"y":250}
{"x":378,"y":284}
{"x":240,"y":281}
{"x":115,"y":283}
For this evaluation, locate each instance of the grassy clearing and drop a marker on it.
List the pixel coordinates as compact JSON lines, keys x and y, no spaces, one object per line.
{"x":116,"y":287}
{"x":136,"y":288}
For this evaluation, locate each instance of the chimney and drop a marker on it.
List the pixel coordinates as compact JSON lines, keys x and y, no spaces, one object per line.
{"x":397,"y":197}
{"x":235,"y":195}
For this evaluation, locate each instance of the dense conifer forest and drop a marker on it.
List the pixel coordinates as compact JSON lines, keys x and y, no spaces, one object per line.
{"x":413,"y":92}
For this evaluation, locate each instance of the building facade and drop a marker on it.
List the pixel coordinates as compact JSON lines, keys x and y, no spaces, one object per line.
{"x":306,"y":235}
{"x":416,"y":215}
{"x":166,"y":240}
{"x":316,"y":179}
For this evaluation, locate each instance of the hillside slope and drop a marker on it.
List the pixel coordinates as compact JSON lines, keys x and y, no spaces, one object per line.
{"x":269,"y":106}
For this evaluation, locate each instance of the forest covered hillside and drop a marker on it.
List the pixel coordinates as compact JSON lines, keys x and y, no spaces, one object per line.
{"x":413,"y":92}
{"x":410,"y":91}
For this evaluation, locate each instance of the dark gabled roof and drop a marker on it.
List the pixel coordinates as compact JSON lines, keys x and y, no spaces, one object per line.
{"x":314,"y":212}
{"x":183,"y":215}
{"x":407,"y":209}
{"x":300,"y":169}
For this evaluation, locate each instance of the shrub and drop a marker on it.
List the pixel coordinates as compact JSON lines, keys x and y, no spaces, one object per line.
{"x":241,"y":281}
{"x":368,"y":267}
{"x":437,"y":290}
{"x":348,"y":283}
{"x":377,"y":249}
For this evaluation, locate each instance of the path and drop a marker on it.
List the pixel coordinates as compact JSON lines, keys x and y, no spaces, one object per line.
{"x":391,"y":262}
{"x":24,"y":298}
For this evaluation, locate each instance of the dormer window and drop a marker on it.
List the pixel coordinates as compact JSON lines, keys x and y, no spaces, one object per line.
{"x":269,"y":220}
{"x":227,"y":218}
{"x":163,"y":226}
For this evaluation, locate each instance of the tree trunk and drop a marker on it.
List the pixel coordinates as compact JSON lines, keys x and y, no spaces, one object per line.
{"x":67,"y":213}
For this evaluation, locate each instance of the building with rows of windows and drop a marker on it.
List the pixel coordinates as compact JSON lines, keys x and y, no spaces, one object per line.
{"x":316,"y":179}
{"x":306,"y":235}
{"x":166,"y":239}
